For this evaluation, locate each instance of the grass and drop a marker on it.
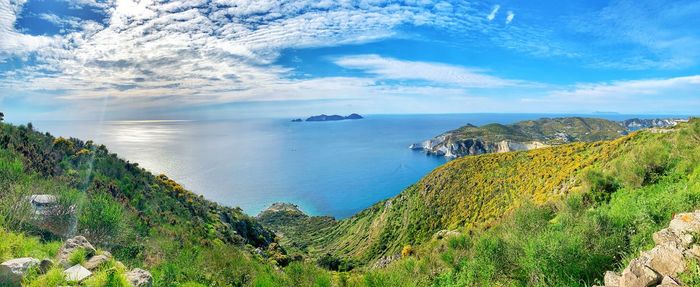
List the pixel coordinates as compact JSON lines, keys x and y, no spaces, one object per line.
{"x":558,"y":216}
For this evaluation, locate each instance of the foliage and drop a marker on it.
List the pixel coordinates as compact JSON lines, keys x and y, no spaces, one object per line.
{"x":407,"y":251}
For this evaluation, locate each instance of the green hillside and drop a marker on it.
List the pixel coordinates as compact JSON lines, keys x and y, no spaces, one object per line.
{"x":557,"y":216}
{"x":144,"y":220}
{"x":547,"y":130}
{"x":474,"y":193}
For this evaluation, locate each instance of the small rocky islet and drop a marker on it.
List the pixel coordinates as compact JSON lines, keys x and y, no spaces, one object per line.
{"x":329,"y":118}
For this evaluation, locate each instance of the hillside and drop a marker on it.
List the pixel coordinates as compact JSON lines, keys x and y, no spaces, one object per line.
{"x":557,"y":216}
{"x":530,"y":134}
{"x":473,"y":193}
{"x":144,"y":220}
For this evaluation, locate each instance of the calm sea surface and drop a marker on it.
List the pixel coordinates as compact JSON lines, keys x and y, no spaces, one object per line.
{"x":327,"y":168}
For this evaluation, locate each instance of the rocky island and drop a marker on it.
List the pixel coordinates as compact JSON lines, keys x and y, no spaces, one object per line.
{"x":326,"y":118}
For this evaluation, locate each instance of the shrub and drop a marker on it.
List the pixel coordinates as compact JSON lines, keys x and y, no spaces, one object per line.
{"x":407,"y":251}
{"x":79,"y":256}
{"x":101,"y":217}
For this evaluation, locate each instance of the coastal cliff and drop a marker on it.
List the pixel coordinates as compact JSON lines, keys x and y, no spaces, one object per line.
{"x":532,"y":134}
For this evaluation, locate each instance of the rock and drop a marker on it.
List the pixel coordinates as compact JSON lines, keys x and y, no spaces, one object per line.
{"x":668,"y":282}
{"x":77,"y":273}
{"x":667,"y":237}
{"x":139,"y":278}
{"x":45,"y":265}
{"x":665,"y":260}
{"x":106,"y":253}
{"x":446,"y":233}
{"x":386,"y":260}
{"x":12,"y":271}
{"x":637,"y":274}
{"x":72,"y":245}
{"x":611,"y":279}
{"x":693,"y":252}
{"x":96,"y":261}
{"x":685,"y":223}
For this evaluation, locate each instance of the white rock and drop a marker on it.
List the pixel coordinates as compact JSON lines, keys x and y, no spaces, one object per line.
{"x":665,"y":260}
{"x":77,"y":273}
{"x":611,"y":279}
{"x":12,"y":271}
{"x":685,"y":223}
{"x":139,"y":278}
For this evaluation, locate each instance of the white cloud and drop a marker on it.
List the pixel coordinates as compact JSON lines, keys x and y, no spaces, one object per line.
{"x":389,"y":68}
{"x":493,"y":13}
{"x":152,"y":53}
{"x":13,"y":43}
{"x":510,"y":17}
{"x":655,"y":96}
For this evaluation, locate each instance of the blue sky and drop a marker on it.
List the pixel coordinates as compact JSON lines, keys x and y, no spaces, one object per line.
{"x":123,"y":59}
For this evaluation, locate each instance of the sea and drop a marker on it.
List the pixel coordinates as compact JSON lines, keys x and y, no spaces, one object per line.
{"x":326,"y":168}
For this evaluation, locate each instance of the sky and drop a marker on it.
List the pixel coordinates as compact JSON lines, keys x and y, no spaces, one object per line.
{"x":210,"y":59}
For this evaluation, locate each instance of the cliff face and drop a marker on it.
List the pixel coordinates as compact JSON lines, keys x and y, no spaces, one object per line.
{"x":527,"y":135}
{"x":450,"y":147}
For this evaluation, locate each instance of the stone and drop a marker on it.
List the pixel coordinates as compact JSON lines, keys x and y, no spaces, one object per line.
{"x":96,"y":261}
{"x":139,"y":278}
{"x":665,"y":260}
{"x":637,"y":274}
{"x":77,"y":273}
{"x":668,"y":282}
{"x":446,"y":233}
{"x":72,"y":245}
{"x":685,"y":223}
{"x":693,"y":252}
{"x":611,"y":279}
{"x":672,"y":239}
{"x":45,"y":265}
{"x":12,"y":271}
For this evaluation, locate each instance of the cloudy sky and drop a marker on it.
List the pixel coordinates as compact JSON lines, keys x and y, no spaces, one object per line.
{"x":124,"y":59}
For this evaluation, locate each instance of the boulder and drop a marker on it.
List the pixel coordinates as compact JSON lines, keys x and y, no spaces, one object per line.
{"x":665,"y":260}
{"x":668,"y":237}
{"x":96,"y":261}
{"x":693,"y":252}
{"x":139,"y":278}
{"x":685,"y":223}
{"x":668,"y":282}
{"x":637,"y":274}
{"x":72,"y":245}
{"x":12,"y":271}
{"x":77,"y":273}
{"x":611,"y":279}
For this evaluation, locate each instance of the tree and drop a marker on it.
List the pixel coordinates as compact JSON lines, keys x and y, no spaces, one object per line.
{"x":2,"y":116}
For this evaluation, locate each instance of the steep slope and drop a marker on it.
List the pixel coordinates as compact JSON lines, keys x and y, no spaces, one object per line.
{"x":471,"y":193}
{"x":524,"y":135}
{"x":145,"y":220}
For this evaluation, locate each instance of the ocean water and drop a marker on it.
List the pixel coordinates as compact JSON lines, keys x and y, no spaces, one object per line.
{"x":327,"y":168}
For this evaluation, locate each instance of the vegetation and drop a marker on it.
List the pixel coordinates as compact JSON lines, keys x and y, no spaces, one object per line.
{"x":547,"y":130}
{"x":556,"y":216}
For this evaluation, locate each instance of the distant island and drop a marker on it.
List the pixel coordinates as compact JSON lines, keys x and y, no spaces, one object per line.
{"x":325,"y":118}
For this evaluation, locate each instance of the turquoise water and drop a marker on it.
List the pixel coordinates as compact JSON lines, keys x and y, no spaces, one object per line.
{"x":327,"y":168}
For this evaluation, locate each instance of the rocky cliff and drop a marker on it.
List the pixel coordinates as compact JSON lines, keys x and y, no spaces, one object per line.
{"x":532,"y":134}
